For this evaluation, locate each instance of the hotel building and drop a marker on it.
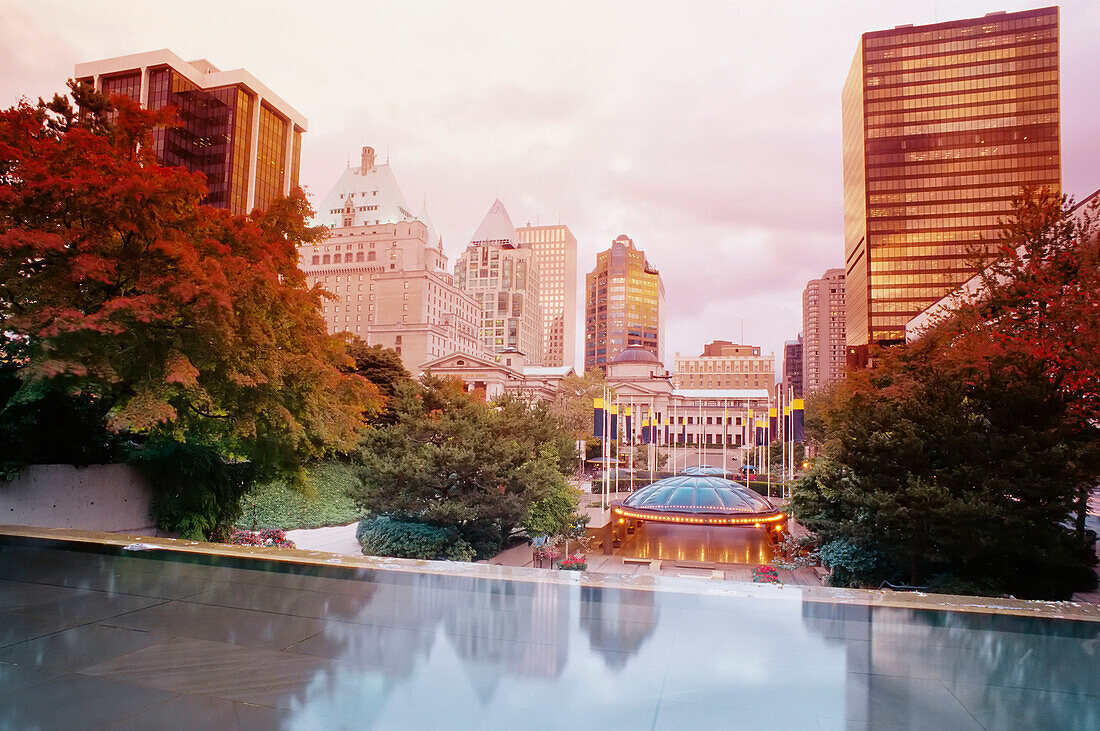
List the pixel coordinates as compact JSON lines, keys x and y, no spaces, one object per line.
{"x":942,"y":125}
{"x":238,"y":133}
{"x":624,"y":305}
{"x":555,"y":250}
{"x":823,"y":345}
{"x":725,"y":365}
{"x":503,"y":276}
{"x":387,"y":270}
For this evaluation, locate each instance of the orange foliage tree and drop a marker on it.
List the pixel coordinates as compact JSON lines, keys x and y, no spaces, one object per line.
{"x":190,"y":325}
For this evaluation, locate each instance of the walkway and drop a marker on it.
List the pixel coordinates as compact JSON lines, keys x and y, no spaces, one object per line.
{"x":335,"y":539}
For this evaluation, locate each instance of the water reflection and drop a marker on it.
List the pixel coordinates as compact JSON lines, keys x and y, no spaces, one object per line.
{"x":410,"y":650}
{"x":919,"y":668}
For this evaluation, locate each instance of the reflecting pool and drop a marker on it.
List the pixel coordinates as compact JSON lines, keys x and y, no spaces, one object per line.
{"x":93,"y":638}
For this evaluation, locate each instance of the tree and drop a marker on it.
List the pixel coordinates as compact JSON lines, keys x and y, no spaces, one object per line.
{"x":179,"y":322}
{"x":573,"y":401}
{"x":947,"y":464}
{"x":381,"y":366}
{"x":378,"y":364}
{"x":450,"y":460}
{"x":1040,"y":295}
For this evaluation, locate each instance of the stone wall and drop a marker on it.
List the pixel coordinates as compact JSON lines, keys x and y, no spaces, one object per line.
{"x":110,"y":497}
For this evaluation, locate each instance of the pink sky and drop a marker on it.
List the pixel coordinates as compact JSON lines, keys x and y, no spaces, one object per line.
{"x":708,"y":132}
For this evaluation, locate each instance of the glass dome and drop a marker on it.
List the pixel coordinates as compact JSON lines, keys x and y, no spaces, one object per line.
{"x":700,"y":500}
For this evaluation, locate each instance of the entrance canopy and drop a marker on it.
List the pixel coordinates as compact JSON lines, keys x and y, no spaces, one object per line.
{"x":700,"y":500}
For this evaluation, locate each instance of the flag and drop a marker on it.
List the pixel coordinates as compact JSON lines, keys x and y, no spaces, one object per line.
{"x":599,"y":411}
{"x":773,"y":416}
{"x":798,"y":425}
{"x":629,"y":425}
{"x":645,"y":431}
{"x":614,"y":409}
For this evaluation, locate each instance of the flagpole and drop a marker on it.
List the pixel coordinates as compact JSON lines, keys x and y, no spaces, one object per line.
{"x":630,"y":440}
{"x":725,"y":418}
{"x":656,"y":450}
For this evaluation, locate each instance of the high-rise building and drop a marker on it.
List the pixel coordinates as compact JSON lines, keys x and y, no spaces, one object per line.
{"x":725,"y":365}
{"x":792,"y":367}
{"x":236,"y":131}
{"x":503,"y":276}
{"x":555,"y":250}
{"x":942,"y":125}
{"x":624,"y":305}
{"x":388,"y":271}
{"x":823,"y":346}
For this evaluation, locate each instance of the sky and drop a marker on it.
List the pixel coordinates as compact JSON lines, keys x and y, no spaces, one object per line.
{"x":708,"y":132}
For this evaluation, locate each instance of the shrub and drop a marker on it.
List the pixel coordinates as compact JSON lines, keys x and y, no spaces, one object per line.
{"x":853,"y":565}
{"x":765,"y":575}
{"x":272,"y":537}
{"x":573,"y":563}
{"x":324,"y":501}
{"x":384,"y":536}
{"x":196,"y":491}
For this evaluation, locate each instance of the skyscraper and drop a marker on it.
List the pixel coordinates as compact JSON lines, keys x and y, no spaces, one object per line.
{"x":942,"y":125}
{"x":504,"y":276}
{"x":792,"y":367}
{"x":388,"y":271}
{"x":624,"y":305}
{"x":236,"y":131}
{"x":823,"y":346}
{"x":555,"y":250}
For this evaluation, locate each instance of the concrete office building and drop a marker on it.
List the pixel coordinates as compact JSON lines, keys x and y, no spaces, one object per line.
{"x":234,"y":129}
{"x":942,"y":125}
{"x":823,"y":345}
{"x":503,"y":276}
{"x":388,"y":271}
{"x":725,"y":365}
{"x":624,"y":305}
{"x":555,"y":250}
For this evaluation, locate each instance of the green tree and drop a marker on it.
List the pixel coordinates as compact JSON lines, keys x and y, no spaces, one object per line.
{"x":171,"y":322}
{"x":381,"y":366}
{"x":450,"y":460}
{"x":573,"y":401}
{"x":947,"y":463}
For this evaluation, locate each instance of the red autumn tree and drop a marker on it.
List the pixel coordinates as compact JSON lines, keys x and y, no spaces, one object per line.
{"x":1041,"y":295}
{"x":1042,"y":292}
{"x":193,"y":325}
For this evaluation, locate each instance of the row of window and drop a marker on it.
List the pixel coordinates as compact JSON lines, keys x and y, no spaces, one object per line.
{"x":942,"y":62}
{"x":1025,"y":71}
{"x":885,"y":39}
{"x":1046,"y":176}
{"x":1012,"y":93}
{"x":1005,"y":37}
{"x":963,"y":153}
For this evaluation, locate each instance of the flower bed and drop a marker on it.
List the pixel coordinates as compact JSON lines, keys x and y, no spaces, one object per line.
{"x":269,"y":537}
{"x":765,"y":575}
{"x":573,"y":563}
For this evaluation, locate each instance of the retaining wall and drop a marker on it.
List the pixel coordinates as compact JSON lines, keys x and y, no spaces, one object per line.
{"x":109,"y":497}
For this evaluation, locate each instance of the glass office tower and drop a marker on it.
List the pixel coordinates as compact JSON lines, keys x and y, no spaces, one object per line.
{"x":624,"y":305}
{"x":243,"y":138}
{"x":942,"y":124}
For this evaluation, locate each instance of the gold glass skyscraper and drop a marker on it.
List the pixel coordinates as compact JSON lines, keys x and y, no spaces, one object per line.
{"x":942,"y":125}
{"x":624,"y":305}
